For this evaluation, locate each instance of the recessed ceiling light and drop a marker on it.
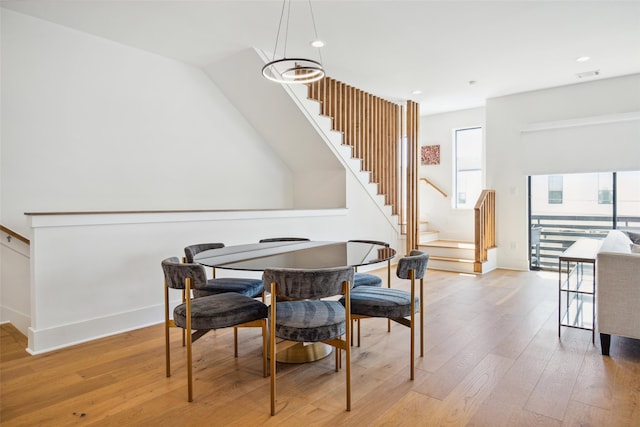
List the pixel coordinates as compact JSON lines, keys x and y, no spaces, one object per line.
{"x":416,"y":92}
{"x":317,"y":43}
{"x":583,"y":59}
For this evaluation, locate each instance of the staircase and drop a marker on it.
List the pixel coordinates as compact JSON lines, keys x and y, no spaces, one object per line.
{"x":373,"y":148}
{"x":324,"y":125}
{"x":358,"y":117}
{"x":447,"y":255}
{"x":476,"y":257}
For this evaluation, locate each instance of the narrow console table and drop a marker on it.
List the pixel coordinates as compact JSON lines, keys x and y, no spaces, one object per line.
{"x":577,"y":296}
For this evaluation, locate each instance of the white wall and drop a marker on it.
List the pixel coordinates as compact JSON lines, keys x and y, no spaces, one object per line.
{"x":92,"y":125}
{"x":582,"y":110}
{"x":437,"y":129}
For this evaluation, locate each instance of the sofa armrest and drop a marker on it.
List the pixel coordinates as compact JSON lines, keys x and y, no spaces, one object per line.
{"x":618,"y":294}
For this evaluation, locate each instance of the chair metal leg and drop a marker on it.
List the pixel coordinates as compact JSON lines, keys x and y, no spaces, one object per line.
{"x":166,"y":330}
{"x":352,"y":322}
{"x":184,"y":336}
{"x":412,"y":327}
{"x":348,"y":373}
{"x":355,"y":322}
{"x":264,"y":347}
{"x":235,"y":341}
{"x":189,"y":354}
{"x":272,"y":348}
{"x":422,"y":317}
{"x":347,"y":346}
{"x":388,"y":286}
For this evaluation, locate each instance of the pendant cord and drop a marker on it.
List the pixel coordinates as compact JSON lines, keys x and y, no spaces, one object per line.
{"x":315,"y":30}
{"x":275,"y":48}
{"x":286,"y":33}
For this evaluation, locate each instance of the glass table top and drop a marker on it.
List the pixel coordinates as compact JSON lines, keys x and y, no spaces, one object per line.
{"x":298,"y":254}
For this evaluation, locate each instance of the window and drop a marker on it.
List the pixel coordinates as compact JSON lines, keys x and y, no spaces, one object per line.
{"x":468,"y":167}
{"x":555,"y":190}
{"x":565,"y":208}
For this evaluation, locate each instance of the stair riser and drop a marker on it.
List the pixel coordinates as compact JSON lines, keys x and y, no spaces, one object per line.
{"x":426,"y":237}
{"x":458,"y":267}
{"x":450,"y":252}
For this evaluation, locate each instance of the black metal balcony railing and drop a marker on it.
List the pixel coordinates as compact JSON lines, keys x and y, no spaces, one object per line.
{"x":553,"y":234}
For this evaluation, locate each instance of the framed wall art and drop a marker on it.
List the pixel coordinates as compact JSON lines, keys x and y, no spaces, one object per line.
{"x":430,"y":154}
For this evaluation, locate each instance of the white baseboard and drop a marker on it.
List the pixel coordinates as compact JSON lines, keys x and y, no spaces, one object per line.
{"x":20,"y":320}
{"x":45,"y":340}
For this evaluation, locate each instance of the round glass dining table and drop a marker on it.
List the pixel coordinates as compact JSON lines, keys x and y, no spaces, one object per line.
{"x":296,"y":254}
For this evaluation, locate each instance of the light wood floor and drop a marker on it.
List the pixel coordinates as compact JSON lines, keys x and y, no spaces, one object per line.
{"x":492,"y":358}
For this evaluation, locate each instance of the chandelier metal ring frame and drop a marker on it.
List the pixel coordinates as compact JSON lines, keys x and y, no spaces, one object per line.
{"x":293,"y":70}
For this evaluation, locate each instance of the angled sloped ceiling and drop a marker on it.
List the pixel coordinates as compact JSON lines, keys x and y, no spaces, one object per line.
{"x":319,"y":176}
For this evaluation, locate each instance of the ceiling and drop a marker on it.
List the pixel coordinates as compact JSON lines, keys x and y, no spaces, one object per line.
{"x":388,"y":48}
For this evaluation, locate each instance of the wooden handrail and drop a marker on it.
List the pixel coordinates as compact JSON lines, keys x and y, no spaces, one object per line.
{"x":14,"y":234}
{"x":438,"y":189}
{"x":485,"y":227}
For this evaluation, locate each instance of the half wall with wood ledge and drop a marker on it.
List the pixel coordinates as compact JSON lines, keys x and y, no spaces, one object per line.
{"x":95,"y":274}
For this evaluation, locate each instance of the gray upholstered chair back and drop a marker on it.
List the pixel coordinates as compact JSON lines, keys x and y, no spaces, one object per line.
{"x":284,"y":239}
{"x":308,"y":284}
{"x":175,"y":273}
{"x":416,"y":261}
{"x":192,"y":250}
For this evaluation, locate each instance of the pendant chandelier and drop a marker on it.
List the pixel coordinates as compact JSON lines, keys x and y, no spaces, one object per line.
{"x":293,"y":70}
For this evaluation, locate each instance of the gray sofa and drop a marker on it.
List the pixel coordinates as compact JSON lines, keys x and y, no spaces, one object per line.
{"x":618,"y":287}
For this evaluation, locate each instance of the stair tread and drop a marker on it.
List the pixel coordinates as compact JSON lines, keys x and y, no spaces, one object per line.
{"x":450,"y":244}
{"x":450,"y":259}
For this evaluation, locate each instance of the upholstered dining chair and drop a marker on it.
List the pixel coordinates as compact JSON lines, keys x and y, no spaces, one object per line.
{"x":198,"y":316}
{"x":284,"y":239}
{"x":299,"y":314}
{"x":366,"y":279}
{"x":217,"y":285}
{"x":396,"y":304}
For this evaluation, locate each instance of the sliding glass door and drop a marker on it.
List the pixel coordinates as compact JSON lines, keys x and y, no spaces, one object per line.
{"x":564,"y":208}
